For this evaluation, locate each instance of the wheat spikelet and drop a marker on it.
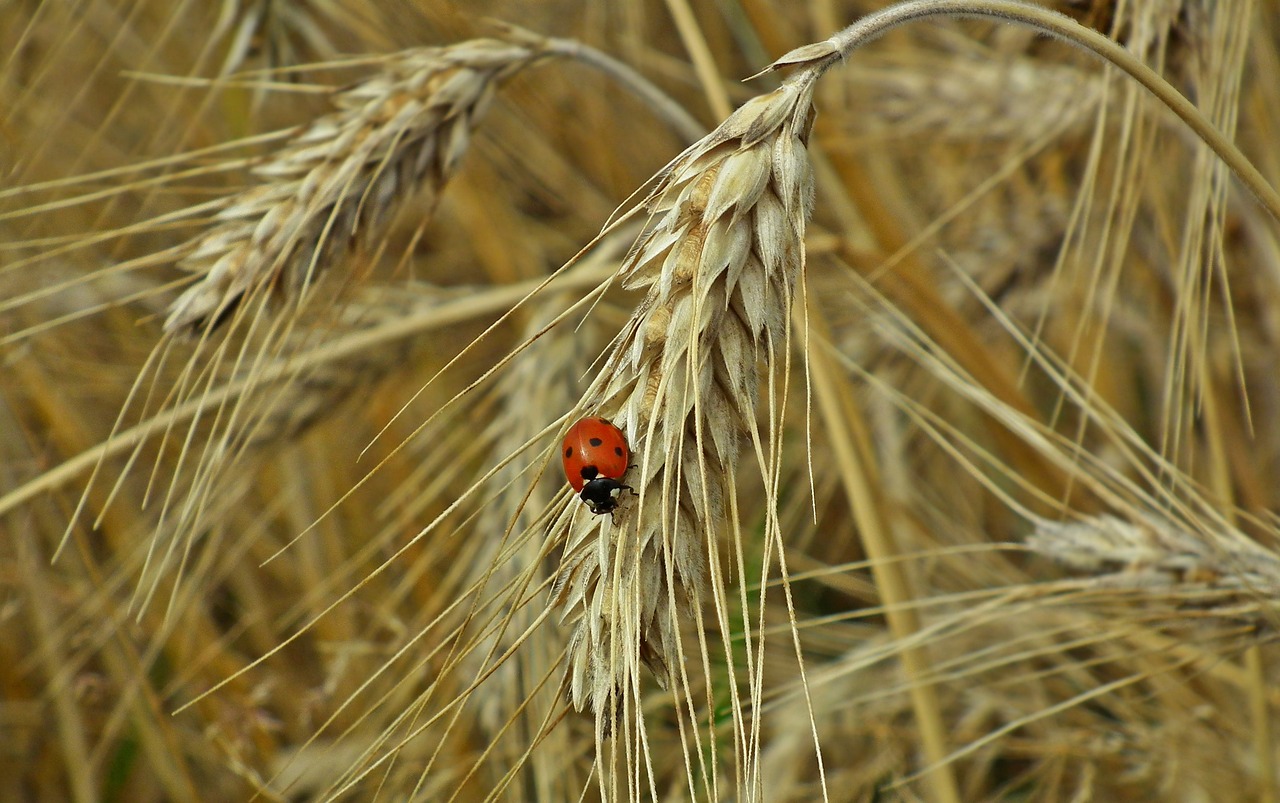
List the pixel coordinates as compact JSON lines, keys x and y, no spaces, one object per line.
{"x":403,"y":130}
{"x":719,"y":262}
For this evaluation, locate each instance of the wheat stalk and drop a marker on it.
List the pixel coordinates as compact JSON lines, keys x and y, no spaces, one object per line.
{"x":402,"y":131}
{"x":719,"y":261}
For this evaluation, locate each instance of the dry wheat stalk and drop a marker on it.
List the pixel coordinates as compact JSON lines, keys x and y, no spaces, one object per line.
{"x":402,"y":131}
{"x":719,"y":260}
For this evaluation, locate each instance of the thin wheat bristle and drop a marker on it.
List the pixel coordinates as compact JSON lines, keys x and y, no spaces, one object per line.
{"x":297,"y":400}
{"x":402,"y":131}
{"x":719,"y":262}
{"x":510,"y":559}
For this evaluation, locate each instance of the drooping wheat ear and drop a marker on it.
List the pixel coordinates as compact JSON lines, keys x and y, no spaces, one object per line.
{"x":719,"y":258}
{"x":400,"y":132}
{"x":1151,"y":552}
{"x":981,"y":99}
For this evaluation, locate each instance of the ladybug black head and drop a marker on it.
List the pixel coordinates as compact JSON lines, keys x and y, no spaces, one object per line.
{"x":601,"y":494}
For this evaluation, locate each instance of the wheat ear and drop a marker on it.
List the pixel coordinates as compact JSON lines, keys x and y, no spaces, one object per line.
{"x":1153,"y":553}
{"x":719,"y":260}
{"x":402,"y":131}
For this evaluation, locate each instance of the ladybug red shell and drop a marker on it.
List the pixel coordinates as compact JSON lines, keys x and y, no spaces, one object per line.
{"x":596,"y":456}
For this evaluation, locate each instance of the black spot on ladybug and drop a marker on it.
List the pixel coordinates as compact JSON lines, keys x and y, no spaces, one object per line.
{"x":568,"y":452}
{"x":595,"y":441}
{"x":617,"y":450}
{"x":590,"y":472}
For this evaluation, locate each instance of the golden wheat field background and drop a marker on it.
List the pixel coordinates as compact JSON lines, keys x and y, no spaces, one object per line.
{"x":947,"y":360}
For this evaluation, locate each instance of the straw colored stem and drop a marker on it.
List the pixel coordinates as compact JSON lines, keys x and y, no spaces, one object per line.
{"x":704,"y":63}
{"x":849,"y":438}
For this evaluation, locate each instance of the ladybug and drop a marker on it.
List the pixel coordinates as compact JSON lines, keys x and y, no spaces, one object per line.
{"x":596,"y":455}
